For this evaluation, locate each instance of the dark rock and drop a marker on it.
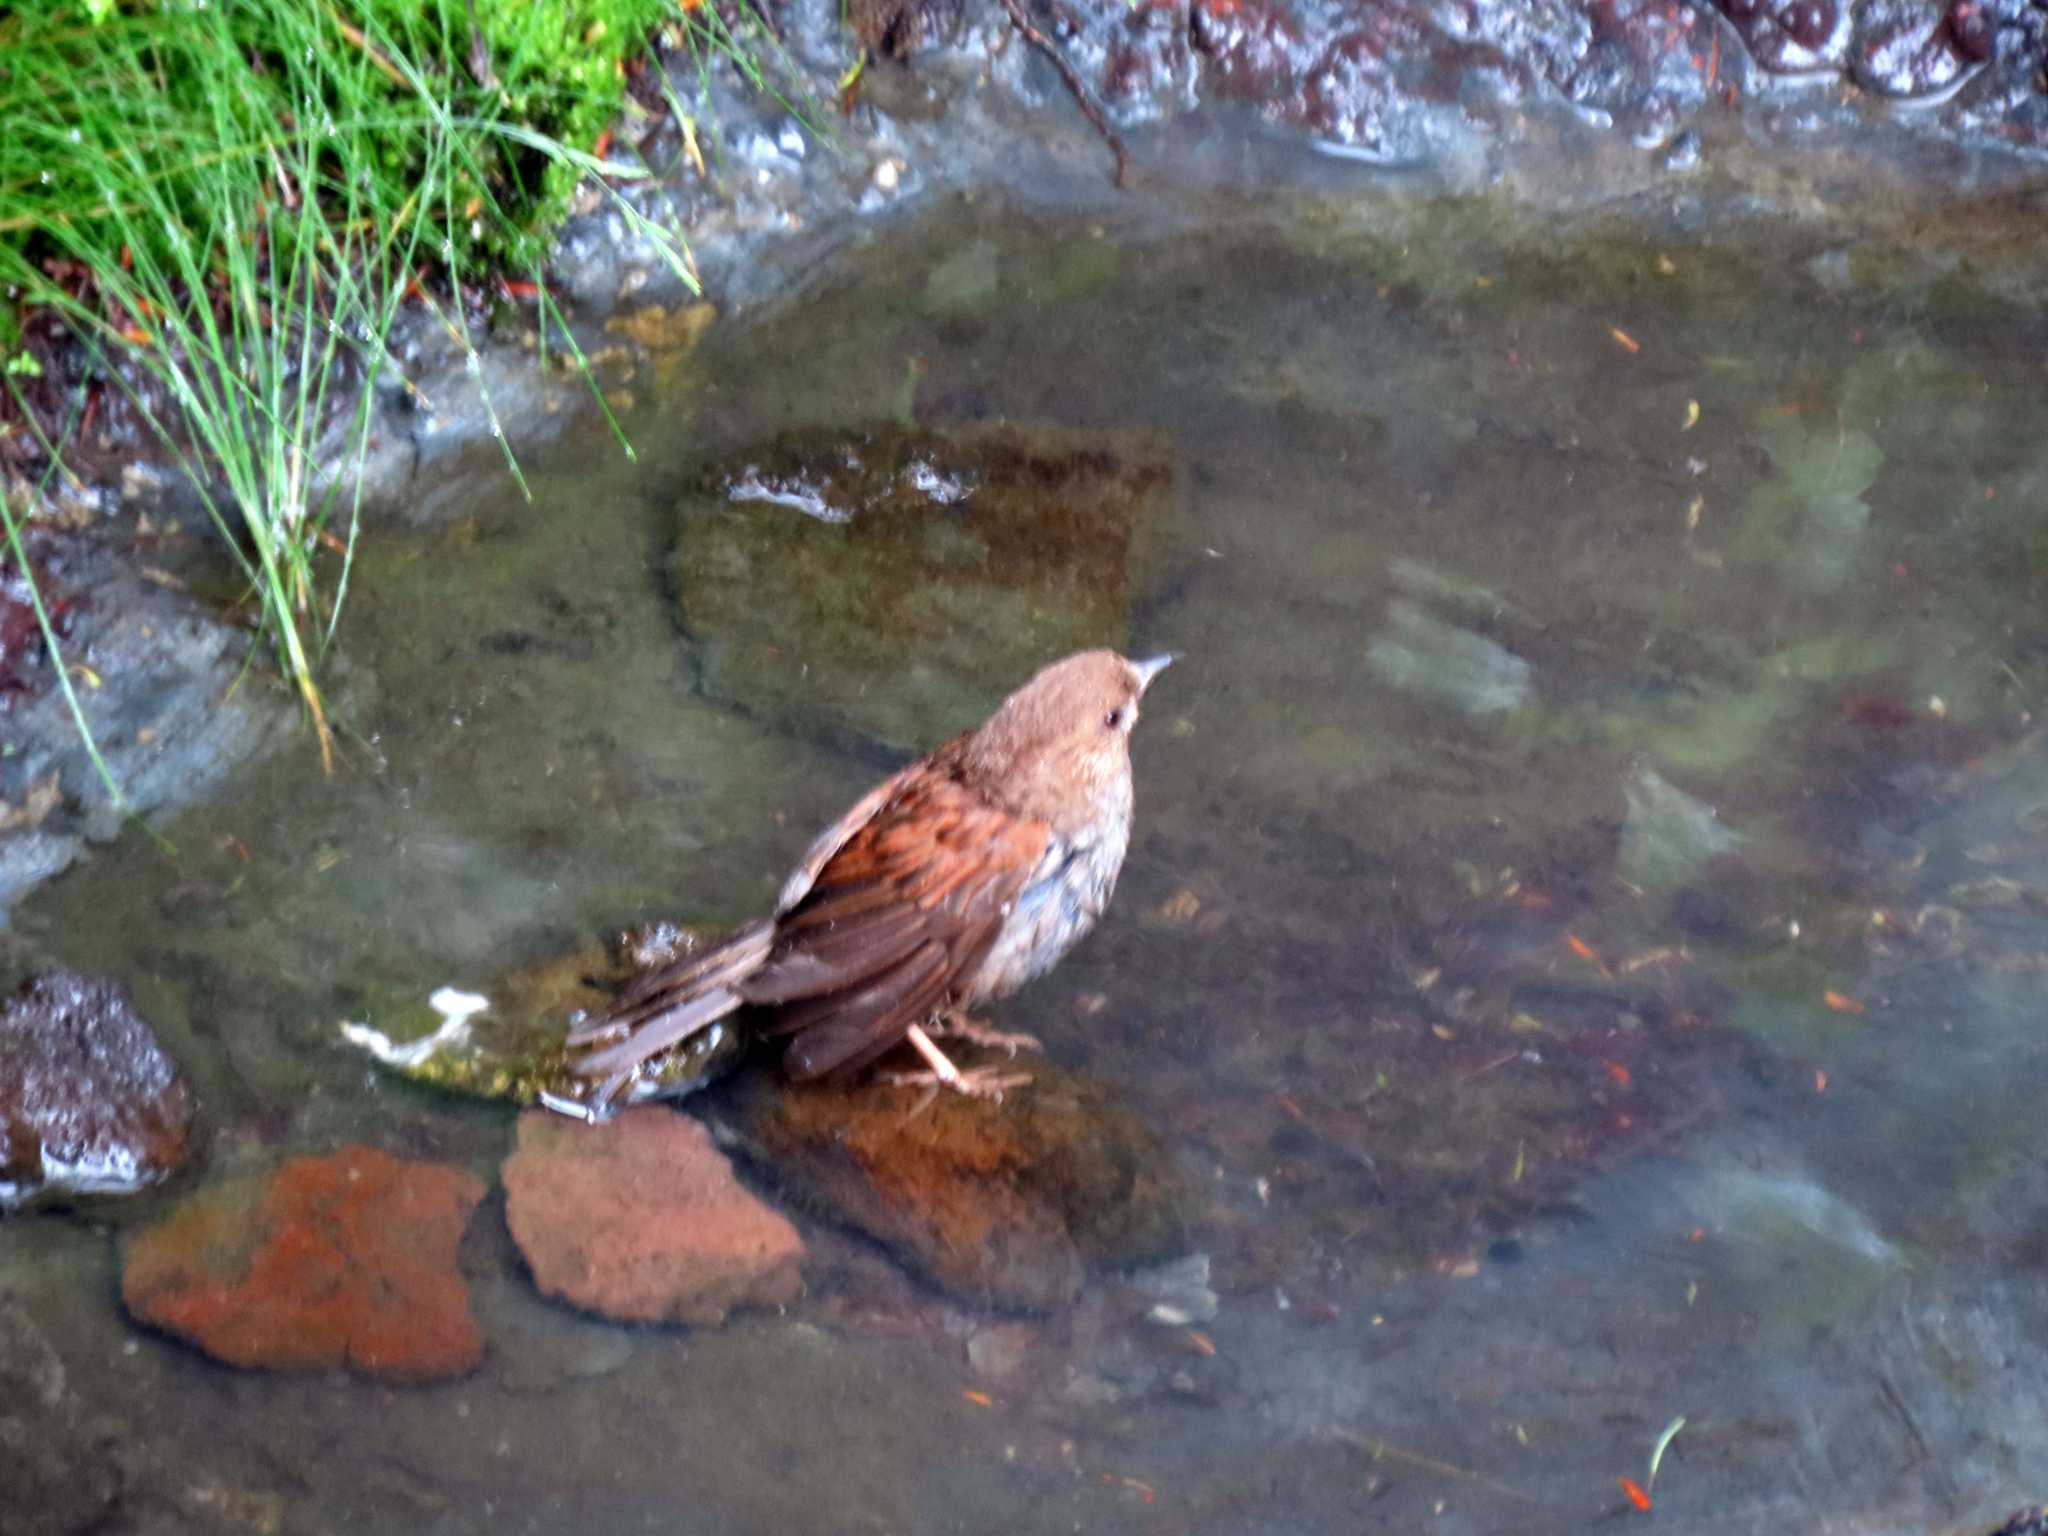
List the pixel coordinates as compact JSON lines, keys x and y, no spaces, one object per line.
{"x":344,"y":1260}
{"x":1008,"y":1203}
{"x":891,"y":585}
{"x":57,"y":1474}
{"x":641,"y":1219}
{"x":89,"y":1102}
{"x":1392,"y":81}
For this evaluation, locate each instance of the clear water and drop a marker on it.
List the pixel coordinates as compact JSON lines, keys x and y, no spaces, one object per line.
{"x":1585,"y":930}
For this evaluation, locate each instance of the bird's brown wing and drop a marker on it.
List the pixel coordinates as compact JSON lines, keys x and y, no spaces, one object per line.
{"x":834,"y":838}
{"x":659,"y":1007}
{"x":894,"y":924}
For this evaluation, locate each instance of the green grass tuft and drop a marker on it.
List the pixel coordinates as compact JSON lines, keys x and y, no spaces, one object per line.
{"x":227,"y":203}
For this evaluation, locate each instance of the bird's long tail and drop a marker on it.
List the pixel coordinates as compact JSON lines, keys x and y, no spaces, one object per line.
{"x":665,"y":1007}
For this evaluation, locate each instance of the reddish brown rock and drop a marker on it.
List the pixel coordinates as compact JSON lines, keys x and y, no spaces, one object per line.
{"x":641,"y":1219}
{"x":89,"y":1102}
{"x":1007,"y":1203}
{"x":344,"y":1260}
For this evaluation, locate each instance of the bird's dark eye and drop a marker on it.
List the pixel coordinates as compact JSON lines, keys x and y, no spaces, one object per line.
{"x":1113,"y":719}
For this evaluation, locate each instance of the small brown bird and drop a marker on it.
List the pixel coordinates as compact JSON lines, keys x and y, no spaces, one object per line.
{"x":954,"y":881}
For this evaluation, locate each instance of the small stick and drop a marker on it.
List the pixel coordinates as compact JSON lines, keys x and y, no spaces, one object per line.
{"x":1082,"y":99}
{"x":1380,"y":1450}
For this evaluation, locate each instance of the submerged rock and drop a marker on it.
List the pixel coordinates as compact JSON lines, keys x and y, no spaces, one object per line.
{"x":891,"y":585}
{"x":510,"y":1043}
{"x":344,"y":1260}
{"x":1810,"y":521}
{"x":1009,"y":1203}
{"x":89,"y":1102}
{"x":57,"y":1473}
{"x":641,"y":1219}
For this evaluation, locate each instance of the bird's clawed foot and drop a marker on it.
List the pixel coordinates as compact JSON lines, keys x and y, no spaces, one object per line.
{"x":975,"y":1083}
{"x":959,"y":1026}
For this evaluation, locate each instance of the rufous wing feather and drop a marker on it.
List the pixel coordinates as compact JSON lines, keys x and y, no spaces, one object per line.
{"x":894,"y":925}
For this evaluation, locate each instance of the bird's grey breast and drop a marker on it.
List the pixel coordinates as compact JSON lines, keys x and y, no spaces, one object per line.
{"x":1055,"y":908}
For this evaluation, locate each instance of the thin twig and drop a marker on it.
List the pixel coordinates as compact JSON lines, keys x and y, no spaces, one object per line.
{"x":1087,"y":104}
{"x":1380,"y":1450}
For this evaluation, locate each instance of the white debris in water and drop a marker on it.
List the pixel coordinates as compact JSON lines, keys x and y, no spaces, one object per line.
{"x":751,"y":487}
{"x":1668,"y":834}
{"x":456,"y":1009}
{"x":1418,"y":578}
{"x":1783,"y":1213}
{"x":1181,"y":1291}
{"x":936,"y":485}
{"x":456,"y":1006}
{"x":573,"y":1108}
{"x":1420,"y":652}
{"x":107,"y":1171}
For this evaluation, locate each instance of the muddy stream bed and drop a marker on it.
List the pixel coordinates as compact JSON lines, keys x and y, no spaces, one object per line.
{"x":1582,"y":947}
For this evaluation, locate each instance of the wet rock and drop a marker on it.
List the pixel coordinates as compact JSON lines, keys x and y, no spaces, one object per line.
{"x":343,"y":1260}
{"x":57,"y":1473}
{"x":162,"y":708}
{"x":891,"y":29}
{"x":508,"y":1042}
{"x":89,"y":1102}
{"x":1007,"y":1203}
{"x":1397,"y":80}
{"x":641,"y":1219}
{"x":891,"y":585}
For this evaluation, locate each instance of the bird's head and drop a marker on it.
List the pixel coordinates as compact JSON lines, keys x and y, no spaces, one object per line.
{"x":1061,"y":743}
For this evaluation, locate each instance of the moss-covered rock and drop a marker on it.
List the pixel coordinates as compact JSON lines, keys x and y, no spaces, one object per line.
{"x":509,"y":1043}
{"x":891,"y":585}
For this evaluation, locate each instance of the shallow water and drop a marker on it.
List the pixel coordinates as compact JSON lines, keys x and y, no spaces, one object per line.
{"x":1584,"y":932}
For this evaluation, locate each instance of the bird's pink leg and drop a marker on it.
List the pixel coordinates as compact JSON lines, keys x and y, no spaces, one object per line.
{"x":977,"y":1083}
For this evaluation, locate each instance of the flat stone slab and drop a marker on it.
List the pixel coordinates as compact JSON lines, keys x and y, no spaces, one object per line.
{"x":1006,"y":1203}
{"x":640,"y":1219}
{"x":344,"y":1260}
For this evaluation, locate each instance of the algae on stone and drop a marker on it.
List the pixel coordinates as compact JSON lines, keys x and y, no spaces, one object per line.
{"x":1810,"y":518}
{"x":1668,"y":834}
{"x":509,"y":1044}
{"x":1423,"y":654}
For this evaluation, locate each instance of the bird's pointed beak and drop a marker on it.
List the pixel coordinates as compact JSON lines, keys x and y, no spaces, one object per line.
{"x":1151,"y":667}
